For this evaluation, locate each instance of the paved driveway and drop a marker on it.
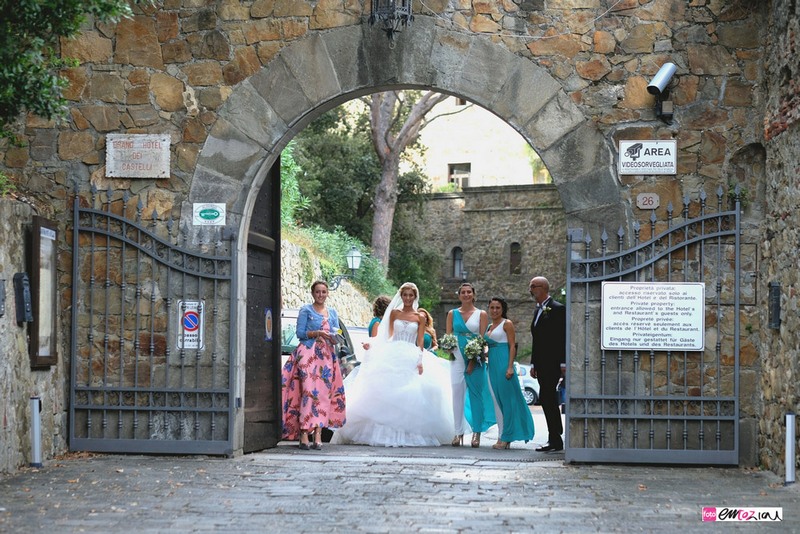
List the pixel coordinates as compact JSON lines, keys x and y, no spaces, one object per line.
{"x":365,"y":489}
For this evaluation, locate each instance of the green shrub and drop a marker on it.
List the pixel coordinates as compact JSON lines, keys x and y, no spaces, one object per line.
{"x":6,"y":185}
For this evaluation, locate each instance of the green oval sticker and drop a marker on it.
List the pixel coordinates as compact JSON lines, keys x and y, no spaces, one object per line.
{"x":209,"y":214}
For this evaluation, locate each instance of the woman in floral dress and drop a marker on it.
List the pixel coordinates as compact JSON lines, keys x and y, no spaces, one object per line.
{"x":311,"y":380}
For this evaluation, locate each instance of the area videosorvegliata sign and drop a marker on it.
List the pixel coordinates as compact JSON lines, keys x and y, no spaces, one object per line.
{"x":648,"y":157}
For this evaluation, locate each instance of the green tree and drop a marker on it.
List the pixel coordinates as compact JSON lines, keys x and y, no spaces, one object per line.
{"x":29,"y":62}
{"x":395,"y":120}
{"x":340,"y":173}
{"x":292,"y":200}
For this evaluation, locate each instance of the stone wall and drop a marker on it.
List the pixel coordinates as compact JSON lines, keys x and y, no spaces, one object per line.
{"x":231,"y":82}
{"x":18,"y":382}
{"x":780,"y":235}
{"x":484,"y":222}
{"x":299,"y":269}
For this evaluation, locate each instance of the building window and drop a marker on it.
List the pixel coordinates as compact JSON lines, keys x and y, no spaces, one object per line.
{"x":458,"y":262}
{"x":458,"y":173}
{"x":515,"y":259}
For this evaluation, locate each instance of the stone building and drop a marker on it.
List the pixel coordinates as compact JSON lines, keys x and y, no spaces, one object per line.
{"x":497,"y":238}
{"x":231,"y":82}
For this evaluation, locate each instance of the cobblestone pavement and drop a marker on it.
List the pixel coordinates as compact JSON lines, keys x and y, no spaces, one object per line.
{"x":365,"y":489}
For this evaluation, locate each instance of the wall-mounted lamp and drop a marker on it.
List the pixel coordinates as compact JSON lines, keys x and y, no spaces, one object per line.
{"x":353,"y":263}
{"x":393,"y":15}
{"x":659,"y":86}
{"x":464,"y":276}
{"x":774,"y":303}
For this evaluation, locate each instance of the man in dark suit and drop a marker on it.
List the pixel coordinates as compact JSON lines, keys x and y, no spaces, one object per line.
{"x":549,"y":331}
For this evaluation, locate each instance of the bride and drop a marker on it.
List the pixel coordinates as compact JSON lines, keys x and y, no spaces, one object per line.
{"x":400,"y":396}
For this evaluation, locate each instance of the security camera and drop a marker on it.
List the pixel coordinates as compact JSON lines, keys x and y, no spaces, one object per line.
{"x":661,"y":79}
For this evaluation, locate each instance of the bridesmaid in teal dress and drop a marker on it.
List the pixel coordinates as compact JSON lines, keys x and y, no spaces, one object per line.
{"x":471,"y":397}
{"x":514,"y":421}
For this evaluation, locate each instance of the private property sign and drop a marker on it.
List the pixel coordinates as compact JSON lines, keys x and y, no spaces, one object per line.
{"x":648,"y":157}
{"x":653,"y":316}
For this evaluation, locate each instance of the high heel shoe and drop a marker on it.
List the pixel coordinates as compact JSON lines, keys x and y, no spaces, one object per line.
{"x":476,"y":440}
{"x":458,"y":440}
{"x":317,"y":445}
{"x":502,"y":445}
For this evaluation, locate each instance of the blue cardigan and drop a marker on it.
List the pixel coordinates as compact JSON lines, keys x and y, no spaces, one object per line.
{"x":308,"y":320}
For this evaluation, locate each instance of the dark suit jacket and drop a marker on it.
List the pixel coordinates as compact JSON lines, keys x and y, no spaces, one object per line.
{"x":549,"y":341}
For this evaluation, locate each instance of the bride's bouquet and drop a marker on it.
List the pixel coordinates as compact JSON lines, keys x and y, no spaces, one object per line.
{"x":475,"y":348}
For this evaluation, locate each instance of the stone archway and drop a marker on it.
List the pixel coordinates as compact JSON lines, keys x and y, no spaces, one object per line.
{"x":318,"y":73}
{"x":313,"y":75}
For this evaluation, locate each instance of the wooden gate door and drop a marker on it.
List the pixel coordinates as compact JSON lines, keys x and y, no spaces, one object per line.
{"x":262,"y":397}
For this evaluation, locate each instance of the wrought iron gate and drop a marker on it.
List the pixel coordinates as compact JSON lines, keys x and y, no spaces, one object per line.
{"x":152,"y":366}
{"x":657,"y":406}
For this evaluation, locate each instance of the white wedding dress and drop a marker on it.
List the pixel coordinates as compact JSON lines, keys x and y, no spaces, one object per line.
{"x":388,"y":403}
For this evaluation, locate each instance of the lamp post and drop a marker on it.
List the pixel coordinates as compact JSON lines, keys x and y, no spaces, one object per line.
{"x":393,"y":15}
{"x":353,"y":263}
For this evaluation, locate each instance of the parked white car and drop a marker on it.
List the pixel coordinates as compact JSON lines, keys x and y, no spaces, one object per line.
{"x":359,"y":335}
{"x":528,"y":384}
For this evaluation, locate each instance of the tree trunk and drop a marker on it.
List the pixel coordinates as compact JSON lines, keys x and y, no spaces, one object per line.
{"x":384,"y":205}
{"x":390,"y":139}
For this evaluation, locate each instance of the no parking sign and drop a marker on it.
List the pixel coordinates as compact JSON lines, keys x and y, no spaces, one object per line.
{"x":191,"y":320}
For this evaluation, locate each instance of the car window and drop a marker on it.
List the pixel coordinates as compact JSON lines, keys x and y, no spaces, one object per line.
{"x":289,"y":340}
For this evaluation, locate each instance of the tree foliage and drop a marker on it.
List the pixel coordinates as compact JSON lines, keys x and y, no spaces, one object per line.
{"x":292,"y":200}
{"x":340,"y":173}
{"x":29,"y":62}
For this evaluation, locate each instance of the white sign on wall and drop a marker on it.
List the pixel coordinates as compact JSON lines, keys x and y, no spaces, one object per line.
{"x":137,"y":156}
{"x":653,"y":315}
{"x":191,"y":324}
{"x":208,"y":214}
{"x":648,"y":157}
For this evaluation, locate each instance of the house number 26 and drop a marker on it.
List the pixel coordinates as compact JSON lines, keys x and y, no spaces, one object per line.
{"x":647,"y":201}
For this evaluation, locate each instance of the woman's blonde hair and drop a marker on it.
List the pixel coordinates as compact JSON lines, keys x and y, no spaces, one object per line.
{"x":428,"y":322}
{"x":409,"y":285}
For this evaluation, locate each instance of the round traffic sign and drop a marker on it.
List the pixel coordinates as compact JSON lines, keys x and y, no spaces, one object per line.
{"x":191,"y":321}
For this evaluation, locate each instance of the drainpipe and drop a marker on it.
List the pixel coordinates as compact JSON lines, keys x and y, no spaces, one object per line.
{"x":790,"y":441}
{"x":36,"y":432}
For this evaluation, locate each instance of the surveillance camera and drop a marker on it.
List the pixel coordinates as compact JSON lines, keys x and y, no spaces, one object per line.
{"x":661,"y":79}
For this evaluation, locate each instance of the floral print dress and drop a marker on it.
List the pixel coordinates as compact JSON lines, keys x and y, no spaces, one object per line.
{"x":312,"y":389}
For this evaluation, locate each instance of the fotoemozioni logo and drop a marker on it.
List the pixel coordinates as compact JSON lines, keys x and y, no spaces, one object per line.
{"x":718,"y":513}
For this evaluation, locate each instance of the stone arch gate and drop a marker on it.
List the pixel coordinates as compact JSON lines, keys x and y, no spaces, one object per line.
{"x":325,"y":70}
{"x":238,"y":165}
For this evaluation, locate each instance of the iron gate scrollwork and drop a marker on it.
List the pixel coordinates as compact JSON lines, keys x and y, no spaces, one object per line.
{"x":139,"y":382}
{"x":657,"y":406}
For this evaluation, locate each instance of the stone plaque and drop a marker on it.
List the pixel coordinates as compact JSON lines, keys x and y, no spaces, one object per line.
{"x":647,"y":201}
{"x":653,"y":315}
{"x":137,"y":156}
